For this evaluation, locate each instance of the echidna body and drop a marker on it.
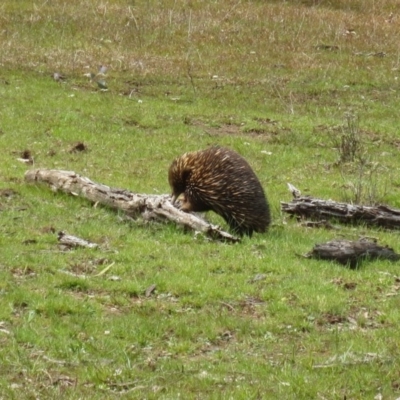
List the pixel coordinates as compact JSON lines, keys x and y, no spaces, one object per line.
{"x":221,"y":180}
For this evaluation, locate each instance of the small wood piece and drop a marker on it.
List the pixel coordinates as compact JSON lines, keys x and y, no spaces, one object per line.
{"x":73,"y":241}
{"x":351,"y":253}
{"x":149,"y":207}
{"x":318,"y":224}
{"x":150,"y":290}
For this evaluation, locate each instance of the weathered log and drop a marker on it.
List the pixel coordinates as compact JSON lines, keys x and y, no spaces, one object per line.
{"x":352,"y":253}
{"x":149,"y":207}
{"x":319,"y":209}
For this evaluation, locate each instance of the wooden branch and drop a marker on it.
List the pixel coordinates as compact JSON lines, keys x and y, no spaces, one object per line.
{"x":150,"y":207}
{"x":351,"y":253}
{"x":319,"y":209}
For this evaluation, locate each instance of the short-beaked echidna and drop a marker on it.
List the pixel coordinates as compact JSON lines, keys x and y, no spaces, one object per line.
{"x":219,"y":179}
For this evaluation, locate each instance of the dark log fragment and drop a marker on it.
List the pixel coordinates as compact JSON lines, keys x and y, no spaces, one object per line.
{"x":352,"y":253}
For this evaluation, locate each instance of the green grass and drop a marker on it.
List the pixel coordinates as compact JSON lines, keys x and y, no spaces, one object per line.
{"x":182,"y":76}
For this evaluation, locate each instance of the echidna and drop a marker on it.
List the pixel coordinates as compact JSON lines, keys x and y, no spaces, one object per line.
{"x":219,"y":179}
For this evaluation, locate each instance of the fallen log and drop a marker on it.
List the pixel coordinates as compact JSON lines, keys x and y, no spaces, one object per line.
{"x":149,"y":207}
{"x":352,"y":253}
{"x":319,"y":209}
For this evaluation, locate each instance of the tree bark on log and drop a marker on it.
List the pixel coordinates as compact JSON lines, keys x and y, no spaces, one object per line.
{"x":319,"y":209}
{"x":149,"y":207}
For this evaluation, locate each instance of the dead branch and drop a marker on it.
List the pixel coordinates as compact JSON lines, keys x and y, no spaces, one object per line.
{"x":318,"y":209}
{"x":149,"y":207}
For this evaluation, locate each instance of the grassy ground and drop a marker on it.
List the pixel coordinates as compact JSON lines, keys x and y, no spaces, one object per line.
{"x":281,"y":83}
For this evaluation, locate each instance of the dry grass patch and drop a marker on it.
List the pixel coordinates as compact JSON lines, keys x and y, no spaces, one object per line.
{"x":197,"y":39}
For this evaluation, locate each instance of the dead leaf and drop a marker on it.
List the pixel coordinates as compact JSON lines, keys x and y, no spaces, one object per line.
{"x":78,"y":147}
